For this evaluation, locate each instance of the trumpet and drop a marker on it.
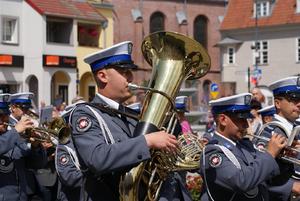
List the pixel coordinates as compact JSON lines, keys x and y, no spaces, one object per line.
{"x":56,"y":131}
{"x":290,"y":138}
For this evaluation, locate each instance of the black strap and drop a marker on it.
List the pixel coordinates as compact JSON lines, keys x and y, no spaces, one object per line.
{"x":107,"y":109}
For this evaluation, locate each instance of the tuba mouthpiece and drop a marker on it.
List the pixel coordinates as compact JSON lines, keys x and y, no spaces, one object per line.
{"x":132,"y":86}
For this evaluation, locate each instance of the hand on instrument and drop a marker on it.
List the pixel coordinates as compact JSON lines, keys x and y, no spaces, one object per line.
{"x":296,"y":188}
{"x":296,"y":144}
{"x":23,"y":124}
{"x":161,"y":140}
{"x":276,"y":144}
{"x":46,"y":145}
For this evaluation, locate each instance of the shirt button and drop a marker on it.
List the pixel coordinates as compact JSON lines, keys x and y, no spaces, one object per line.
{"x":140,"y":157}
{"x":118,"y":140}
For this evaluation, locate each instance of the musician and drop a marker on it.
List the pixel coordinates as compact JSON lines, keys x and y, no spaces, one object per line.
{"x":103,"y":140}
{"x":9,"y":138}
{"x":267,"y":113}
{"x":13,"y":181}
{"x":20,"y":106}
{"x":71,"y":178}
{"x":287,"y":103}
{"x":230,"y":166}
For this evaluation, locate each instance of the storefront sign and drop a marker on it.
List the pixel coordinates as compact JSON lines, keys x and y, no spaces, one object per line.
{"x":59,"y":61}
{"x":11,"y":60}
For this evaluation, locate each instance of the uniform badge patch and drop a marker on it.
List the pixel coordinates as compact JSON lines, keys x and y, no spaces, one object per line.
{"x":64,"y":159}
{"x":261,"y":146}
{"x":215,"y":160}
{"x":83,"y":124}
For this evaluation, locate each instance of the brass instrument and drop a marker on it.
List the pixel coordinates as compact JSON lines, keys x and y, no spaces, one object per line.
{"x":290,"y":138}
{"x":174,"y":58}
{"x":53,"y":132}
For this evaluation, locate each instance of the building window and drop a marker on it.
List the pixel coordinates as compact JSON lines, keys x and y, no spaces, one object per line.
{"x":200,"y":30}
{"x":10,"y":30}
{"x":63,"y":92}
{"x":298,"y":49}
{"x":157,"y":22}
{"x":59,"y":30}
{"x":298,"y":6}
{"x":231,"y":55}
{"x":261,"y":52}
{"x":262,"y":9}
{"x":88,"y":35}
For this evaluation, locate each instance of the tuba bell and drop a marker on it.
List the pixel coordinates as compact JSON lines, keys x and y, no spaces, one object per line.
{"x":174,"y":58}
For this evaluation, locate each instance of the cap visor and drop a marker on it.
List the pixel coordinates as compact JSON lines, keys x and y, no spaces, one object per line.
{"x":128,"y":66}
{"x":245,"y":115}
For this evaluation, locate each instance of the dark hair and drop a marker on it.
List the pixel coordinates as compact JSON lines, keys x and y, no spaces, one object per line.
{"x":255,"y":104}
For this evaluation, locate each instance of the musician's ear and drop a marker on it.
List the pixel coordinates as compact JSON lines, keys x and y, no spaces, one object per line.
{"x":277,"y":104}
{"x":102,"y":76}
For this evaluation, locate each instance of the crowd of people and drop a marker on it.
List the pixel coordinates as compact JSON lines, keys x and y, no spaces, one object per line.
{"x":242,"y":159}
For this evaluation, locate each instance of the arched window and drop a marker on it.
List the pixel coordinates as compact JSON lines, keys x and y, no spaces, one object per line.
{"x":200,"y":30}
{"x":157,"y":22}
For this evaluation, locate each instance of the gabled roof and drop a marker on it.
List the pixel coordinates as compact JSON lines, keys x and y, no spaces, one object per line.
{"x":228,"y":41}
{"x":240,"y":15}
{"x":66,"y":8}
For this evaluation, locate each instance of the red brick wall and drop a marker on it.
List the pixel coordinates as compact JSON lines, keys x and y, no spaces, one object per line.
{"x":126,"y":29}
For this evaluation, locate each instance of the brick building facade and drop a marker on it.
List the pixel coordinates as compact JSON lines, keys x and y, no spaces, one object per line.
{"x":194,"y":18}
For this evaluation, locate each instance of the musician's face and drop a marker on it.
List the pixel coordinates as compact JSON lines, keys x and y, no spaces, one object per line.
{"x":17,"y":111}
{"x":4,"y":118}
{"x":116,"y":83}
{"x":233,"y":127}
{"x":288,"y":108}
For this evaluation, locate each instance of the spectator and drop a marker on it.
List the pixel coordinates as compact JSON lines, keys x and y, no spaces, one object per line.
{"x":259,"y":96}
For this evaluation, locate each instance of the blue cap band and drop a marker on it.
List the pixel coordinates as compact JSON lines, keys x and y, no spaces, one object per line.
{"x":230,"y":108}
{"x":23,"y":101}
{"x":268,"y":113}
{"x":4,"y":108}
{"x":180,"y":106}
{"x":285,"y":89}
{"x":110,"y":60}
{"x":4,"y":104}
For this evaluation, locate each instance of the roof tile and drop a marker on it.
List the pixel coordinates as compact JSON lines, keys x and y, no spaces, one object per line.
{"x":240,"y":15}
{"x":67,"y":8}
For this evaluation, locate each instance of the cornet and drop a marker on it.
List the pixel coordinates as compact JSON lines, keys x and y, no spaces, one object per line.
{"x":290,"y":138}
{"x":55,"y":131}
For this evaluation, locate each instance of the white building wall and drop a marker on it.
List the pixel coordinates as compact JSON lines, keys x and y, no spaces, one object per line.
{"x":33,"y":49}
{"x":11,"y":75}
{"x":33,"y":45}
{"x":281,"y":53}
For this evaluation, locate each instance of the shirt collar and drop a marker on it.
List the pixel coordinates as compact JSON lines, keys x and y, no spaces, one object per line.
{"x":11,"y":116}
{"x":285,"y":121}
{"x":110,"y":102}
{"x":225,"y":138}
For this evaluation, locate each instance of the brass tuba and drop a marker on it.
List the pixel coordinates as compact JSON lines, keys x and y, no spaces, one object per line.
{"x":174,"y":58}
